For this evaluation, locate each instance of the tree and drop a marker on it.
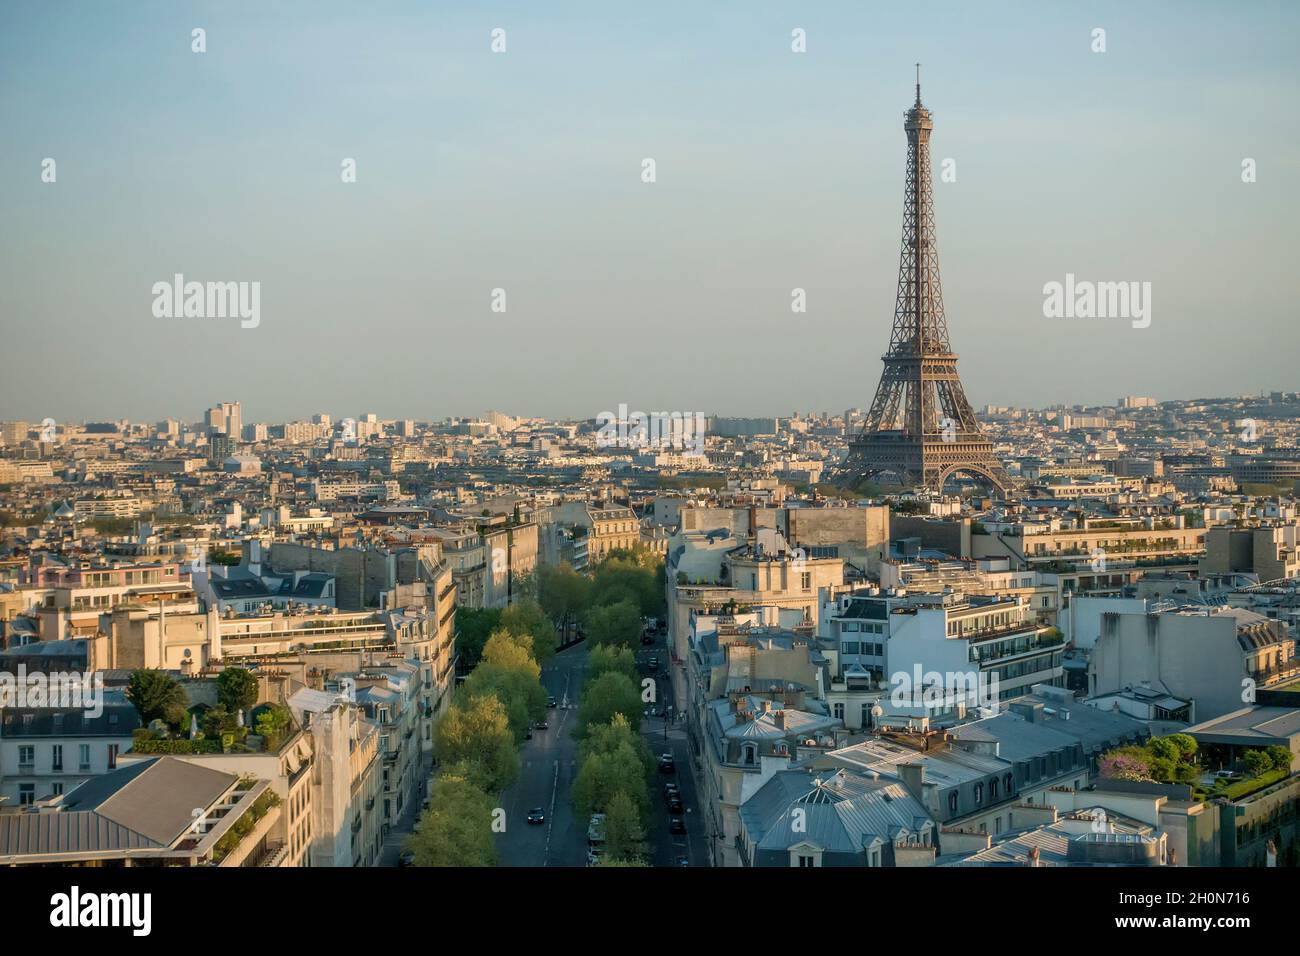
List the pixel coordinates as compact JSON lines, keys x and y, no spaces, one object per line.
{"x":624,"y":576}
{"x":562,"y":592}
{"x":609,"y":694}
{"x":1256,"y":762}
{"x":624,"y":834}
{"x":236,"y":689}
{"x":156,"y":696}
{"x":604,"y":774}
{"x":527,"y":617}
{"x":1279,"y":756}
{"x":456,"y":830}
{"x":614,"y":624}
{"x":271,"y":723}
{"x":476,"y":733}
{"x":473,"y":625}
{"x":509,"y":673}
{"x":607,"y":738}
{"x":609,"y":657}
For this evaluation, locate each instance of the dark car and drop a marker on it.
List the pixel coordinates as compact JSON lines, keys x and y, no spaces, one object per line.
{"x":667,"y":764}
{"x":407,"y":858}
{"x":671,"y":789}
{"x":536,"y":815}
{"x":528,"y":734}
{"x":653,"y":664}
{"x":675,"y":804}
{"x":647,"y":638}
{"x":550,"y":702}
{"x":682,"y":861}
{"x":542,"y":724}
{"x":677,"y":825}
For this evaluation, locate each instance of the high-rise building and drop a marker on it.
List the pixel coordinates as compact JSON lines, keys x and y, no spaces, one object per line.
{"x":234,"y":419}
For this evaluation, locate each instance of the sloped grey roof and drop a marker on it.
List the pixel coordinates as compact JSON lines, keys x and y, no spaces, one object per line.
{"x":144,"y":805}
{"x":843,"y":811}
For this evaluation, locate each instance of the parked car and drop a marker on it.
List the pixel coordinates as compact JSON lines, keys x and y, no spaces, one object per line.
{"x":647,"y":638}
{"x":537,"y":815}
{"x":677,"y":825}
{"x":407,"y":858}
{"x":667,"y":764}
{"x":653,"y":664}
{"x":550,"y":702}
{"x":670,"y":788}
{"x":675,"y":804}
{"x":542,"y":724}
{"x":683,"y":861}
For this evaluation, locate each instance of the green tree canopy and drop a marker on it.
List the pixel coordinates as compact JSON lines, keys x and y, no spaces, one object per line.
{"x":1257,"y":762}
{"x":473,"y":625}
{"x":608,"y":738}
{"x":604,"y":774}
{"x":611,"y":657}
{"x":609,"y":694}
{"x":614,"y":624}
{"x":527,"y":617}
{"x":236,"y":689}
{"x":456,"y":830}
{"x":156,"y":696}
{"x":1279,"y":756}
{"x":624,"y":833}
{"x":620,"y":579}
{"x":562,"y":592}
{"x":475,"y":732}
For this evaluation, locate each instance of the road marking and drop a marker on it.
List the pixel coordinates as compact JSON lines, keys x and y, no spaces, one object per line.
{"x":550,"y":819}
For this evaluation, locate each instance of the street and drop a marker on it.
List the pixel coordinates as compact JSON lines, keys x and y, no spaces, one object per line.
{"x":548,"y":765}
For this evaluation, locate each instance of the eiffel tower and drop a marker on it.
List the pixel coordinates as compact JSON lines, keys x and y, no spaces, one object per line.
{"x":921,"y":429}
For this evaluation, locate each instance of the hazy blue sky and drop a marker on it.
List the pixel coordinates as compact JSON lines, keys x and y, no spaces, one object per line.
{"x":522,"y":171}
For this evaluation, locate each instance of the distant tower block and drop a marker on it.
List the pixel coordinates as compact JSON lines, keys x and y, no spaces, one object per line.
{"x":921,"y":429}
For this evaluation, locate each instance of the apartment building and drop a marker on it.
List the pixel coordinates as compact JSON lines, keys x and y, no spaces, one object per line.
{"x":346,"y":779}
{"x":1217,"y":657}
{"x":47,"y":751}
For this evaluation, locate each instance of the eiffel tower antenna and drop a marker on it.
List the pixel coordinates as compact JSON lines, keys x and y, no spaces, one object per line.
{"x":921,"y":429}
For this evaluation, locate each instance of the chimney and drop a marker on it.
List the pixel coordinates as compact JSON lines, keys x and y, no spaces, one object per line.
{"x":778,"y":718}
{"x":913,"y":775}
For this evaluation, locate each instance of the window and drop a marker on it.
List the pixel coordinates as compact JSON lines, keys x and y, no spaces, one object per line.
{"x":26,"y":758}
{"x":807,"y":861}
{"x":979,"y":794}
{"x":112,"y":756}
{"x":57,"y":788}
{"x":750,"y":754}
{"x":839,"y":711}
{"x":26,"y":794}
{"x":805,"y":581}
{"x":83,"y":757}
{"x":56,"y":758}
{"x":952,"y":802}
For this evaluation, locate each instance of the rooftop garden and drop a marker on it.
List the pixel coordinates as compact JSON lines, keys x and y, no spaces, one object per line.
{"x":1174,"y":759}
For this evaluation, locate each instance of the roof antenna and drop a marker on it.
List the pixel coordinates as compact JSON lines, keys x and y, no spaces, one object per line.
{"x":918,"y":84}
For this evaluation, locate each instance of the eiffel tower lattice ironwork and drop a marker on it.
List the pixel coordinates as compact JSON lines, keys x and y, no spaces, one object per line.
{"x":921,"y":428}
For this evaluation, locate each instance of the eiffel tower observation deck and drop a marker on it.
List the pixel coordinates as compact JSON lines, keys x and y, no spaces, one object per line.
{"x":921,"y":429}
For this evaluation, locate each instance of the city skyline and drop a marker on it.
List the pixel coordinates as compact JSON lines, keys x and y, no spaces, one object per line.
{"x":776,"y":171}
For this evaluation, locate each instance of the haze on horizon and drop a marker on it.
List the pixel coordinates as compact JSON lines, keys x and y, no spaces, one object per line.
{"x":522,"y":170}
